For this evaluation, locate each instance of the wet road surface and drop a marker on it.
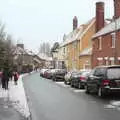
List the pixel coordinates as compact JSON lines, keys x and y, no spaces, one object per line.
{"x":55,"y":101}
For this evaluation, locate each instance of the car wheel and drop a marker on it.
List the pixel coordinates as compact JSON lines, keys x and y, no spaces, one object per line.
{"x":53,"y":79}
{"x":100,"y":92}
{"x":71,"y":84}
{"x":65,"y":82}
{"x":87,"y":89}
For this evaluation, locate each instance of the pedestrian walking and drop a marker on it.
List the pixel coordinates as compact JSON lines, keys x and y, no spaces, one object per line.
{"x":16,"y":76}
{"x":5,"y":78}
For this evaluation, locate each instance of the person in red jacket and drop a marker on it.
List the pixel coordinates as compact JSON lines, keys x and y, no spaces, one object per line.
{"x":16,"y":76}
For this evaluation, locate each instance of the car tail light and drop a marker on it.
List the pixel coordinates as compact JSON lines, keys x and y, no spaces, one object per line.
{"x":82,"y":78}
{"x":106,"y":82}
{"x":45,"y":73}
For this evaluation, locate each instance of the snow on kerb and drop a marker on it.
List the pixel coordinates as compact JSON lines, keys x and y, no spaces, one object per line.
{"x":16,"y":94}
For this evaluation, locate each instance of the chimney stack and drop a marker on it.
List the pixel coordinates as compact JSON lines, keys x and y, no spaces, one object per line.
{"x":20,"y":45}
{"x":116,"y":9}
{"x":75,"y":23}
{"x":99,"y":15}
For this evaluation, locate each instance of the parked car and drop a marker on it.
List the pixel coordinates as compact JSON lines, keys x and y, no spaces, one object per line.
{"x":42,"y":72}
{"x":103,"y":80}
{"x":83,"y":79}
{"x":59,"y":75}
{"x":49,"y":73}
{"x":67,"y":78}
{"x":75,"y":79}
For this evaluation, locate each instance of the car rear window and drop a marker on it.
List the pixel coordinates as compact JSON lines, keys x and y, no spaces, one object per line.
{"x":85,"y":73}
{"x":113,"y":73}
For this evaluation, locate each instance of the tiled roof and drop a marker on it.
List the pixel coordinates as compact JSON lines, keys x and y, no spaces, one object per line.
{"x":113,"y":26}
{"x":86,"y":51}
{"x":76,"y":34}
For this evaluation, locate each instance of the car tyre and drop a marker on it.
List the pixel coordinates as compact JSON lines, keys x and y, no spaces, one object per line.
{"x":54,"y":79}
{"x":87,"y":89}
{"x":65,"y":82}
{"x":71,"y":84}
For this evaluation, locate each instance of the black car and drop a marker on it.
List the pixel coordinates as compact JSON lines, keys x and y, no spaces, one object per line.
{"x":75,"y":79}
{"x":103,"y":80}
{"x":83,"y":79}
{"x":59,"y":75}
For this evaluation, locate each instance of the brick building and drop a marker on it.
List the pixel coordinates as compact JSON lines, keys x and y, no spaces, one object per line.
{"x":76,"y":47}
{"x":106,"y":41}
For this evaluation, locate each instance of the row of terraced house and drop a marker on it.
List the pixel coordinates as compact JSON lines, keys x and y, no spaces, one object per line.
{"x":94,"y":43}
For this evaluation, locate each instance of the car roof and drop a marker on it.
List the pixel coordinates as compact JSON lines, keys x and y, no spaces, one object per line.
{"x":110,"y":66}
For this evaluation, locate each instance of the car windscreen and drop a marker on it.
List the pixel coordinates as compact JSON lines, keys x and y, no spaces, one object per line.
{"x":113,"y":73}
{"x":85,"y":73}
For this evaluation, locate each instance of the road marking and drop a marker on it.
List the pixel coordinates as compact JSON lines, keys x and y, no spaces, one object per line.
{"x":78,"y":91}
{"x":109,"y":106}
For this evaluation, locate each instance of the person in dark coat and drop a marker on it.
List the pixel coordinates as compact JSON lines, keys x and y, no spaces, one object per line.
{"x":16,"y":76}
{"x":10,"y":75}
{"x":5,"y":78}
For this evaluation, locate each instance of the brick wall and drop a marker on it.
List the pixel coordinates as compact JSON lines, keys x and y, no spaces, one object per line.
{"x":107,"y":52}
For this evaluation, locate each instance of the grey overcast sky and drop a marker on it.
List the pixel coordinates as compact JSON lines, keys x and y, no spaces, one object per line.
{"x":36,"y":21}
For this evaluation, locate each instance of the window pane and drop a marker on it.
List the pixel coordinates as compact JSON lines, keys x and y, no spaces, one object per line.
{"x":113,"y":39}
{"x":100,"y":71}
{"x":113,"y":73}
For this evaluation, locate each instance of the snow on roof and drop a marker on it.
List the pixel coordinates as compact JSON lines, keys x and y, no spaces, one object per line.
{"x":29,"y":52}
{"x":113,"y":26}
{"x":71,"y":37}
{"x":86,"y":51}
{"x":74,"y":35}
{"x":45,"y":57}
{"x":20,"y":50}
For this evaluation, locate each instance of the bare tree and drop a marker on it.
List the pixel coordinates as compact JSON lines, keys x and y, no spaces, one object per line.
{"x":6,"y":48}
{"x":45,"y":48}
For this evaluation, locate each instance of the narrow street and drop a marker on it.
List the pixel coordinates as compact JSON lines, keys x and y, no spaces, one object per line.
{"x":54,"y":101}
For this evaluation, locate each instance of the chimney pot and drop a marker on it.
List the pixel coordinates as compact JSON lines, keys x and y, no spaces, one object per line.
{"x":99,"y":15}
{"x":116,"y":9}
{"x":75,"y":23}
{"x":20,"y":45}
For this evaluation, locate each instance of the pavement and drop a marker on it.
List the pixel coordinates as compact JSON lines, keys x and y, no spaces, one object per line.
{"x":13,"y":102}
{"x":50,"y":100}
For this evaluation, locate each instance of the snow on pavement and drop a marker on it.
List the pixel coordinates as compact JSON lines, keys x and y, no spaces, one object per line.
{"x":16,"y":95}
